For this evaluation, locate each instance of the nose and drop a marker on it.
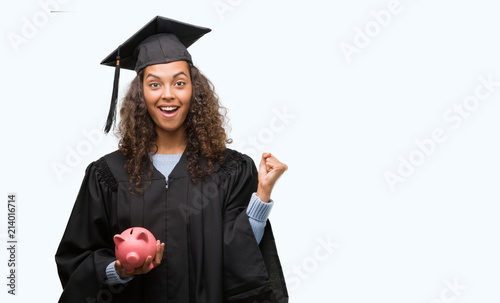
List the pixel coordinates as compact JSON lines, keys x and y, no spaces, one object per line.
{"x":167,"y":93}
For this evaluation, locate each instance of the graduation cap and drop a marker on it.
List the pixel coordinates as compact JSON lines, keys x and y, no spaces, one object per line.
{"x":162,"y":40}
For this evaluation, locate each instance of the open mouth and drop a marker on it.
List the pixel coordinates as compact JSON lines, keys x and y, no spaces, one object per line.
{"x":168,"y":111}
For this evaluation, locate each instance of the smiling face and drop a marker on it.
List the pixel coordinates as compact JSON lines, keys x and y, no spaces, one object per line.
{"x":167,"y":90}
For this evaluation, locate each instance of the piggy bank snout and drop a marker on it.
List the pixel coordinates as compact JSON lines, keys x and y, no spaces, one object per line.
{"x":132,"y":258}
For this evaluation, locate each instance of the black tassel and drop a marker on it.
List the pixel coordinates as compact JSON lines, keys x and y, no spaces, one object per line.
{"x":112,"y":107}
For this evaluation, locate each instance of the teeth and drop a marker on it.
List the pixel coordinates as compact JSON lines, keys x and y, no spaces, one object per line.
{"x":169,"y":108}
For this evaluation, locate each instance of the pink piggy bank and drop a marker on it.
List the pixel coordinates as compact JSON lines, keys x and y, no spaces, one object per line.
{"x":133,"y":246}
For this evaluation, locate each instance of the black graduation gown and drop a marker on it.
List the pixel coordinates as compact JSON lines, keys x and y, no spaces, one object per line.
{"x":211,"y":254}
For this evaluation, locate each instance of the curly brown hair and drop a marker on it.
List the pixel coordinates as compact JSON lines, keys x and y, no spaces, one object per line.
{"x":204,"y":127}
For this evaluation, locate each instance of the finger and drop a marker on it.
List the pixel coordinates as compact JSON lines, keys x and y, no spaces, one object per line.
{"x":145,"y":267}
{"x":162,"y":250}
{"x":271,"y":164}
{"x":275,"y":163}
{"x":119,"y":267}
{"x":158,"y":255}
{"x":275,"y":173}
{"x":273,"y":159}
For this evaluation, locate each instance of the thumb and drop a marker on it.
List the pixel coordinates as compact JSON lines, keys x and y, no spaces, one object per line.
{"x":262,"y":165}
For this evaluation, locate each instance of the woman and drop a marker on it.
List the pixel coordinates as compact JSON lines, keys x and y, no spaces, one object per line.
{"x":206,"y":204}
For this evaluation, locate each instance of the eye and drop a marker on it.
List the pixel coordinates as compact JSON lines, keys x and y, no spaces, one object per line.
{"x":154,"y":85}
{"x":180,"y":83}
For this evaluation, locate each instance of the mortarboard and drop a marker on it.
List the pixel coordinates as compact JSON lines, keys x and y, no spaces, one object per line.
{"x":162,"y":40}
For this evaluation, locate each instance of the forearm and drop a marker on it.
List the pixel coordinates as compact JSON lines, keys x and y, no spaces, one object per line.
{"x":258,"y":212}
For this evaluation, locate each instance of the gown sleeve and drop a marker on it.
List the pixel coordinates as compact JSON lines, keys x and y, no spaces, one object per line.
{"x":246,"y":276}
{"x":86,"y":247}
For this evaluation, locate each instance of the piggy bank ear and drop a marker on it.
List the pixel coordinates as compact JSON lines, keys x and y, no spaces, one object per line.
{"x":118,"y":239}
{"x":142,"y":236}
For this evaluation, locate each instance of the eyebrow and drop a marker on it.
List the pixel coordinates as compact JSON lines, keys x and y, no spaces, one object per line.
{"x":178,"y":74}
{"x":154,"y":76}
{"x":173,"y":77}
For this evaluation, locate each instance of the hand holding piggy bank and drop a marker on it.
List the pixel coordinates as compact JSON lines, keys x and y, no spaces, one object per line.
{"x":133,"y":246}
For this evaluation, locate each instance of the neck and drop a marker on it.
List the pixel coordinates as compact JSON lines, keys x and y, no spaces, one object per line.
{"x":171,"y":142}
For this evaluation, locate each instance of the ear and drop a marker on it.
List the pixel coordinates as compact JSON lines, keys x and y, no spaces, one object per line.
{"x":142,"y":236}
{"x":118,"y":239}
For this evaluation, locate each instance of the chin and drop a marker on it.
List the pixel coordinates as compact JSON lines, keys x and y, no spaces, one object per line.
{"x":168,"y":128}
